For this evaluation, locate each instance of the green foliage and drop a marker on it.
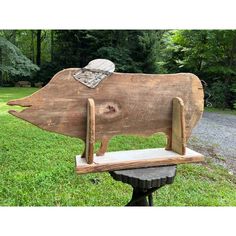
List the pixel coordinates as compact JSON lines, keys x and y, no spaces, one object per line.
{"x":46,"y":72}
{"x":144,"y":47}
{"x":25,"y":40}
{"x":120,"y":56}
{"x":218,"y":92}
{"x":130,"y":50}
{"x":37,"y":169}
{"x":13,"y":61}
{"x":210,"y":54}
{"x":233,"y":91}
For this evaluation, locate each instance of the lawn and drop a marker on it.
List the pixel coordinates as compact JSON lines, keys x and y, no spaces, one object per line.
{"x":37,"y":169}
{"x":221,"y":111}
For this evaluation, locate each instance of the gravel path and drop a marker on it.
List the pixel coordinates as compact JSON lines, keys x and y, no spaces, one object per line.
{"x":215,"y":135}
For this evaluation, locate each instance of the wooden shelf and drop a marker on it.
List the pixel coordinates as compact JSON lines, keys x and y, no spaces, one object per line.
{"x":135,"y":159}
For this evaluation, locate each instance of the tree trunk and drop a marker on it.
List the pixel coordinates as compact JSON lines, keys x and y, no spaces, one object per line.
{"x":38,"y":58}
{"x":13,"y":37}
{"x":32,"y":46}
{"x":1,"y":74}
{"x":52,"y":45}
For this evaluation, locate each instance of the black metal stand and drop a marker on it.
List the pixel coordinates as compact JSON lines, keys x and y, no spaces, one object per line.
{"x":145,"y":181}
{"x":139,"y":197}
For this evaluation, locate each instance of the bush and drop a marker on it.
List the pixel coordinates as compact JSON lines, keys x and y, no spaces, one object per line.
{"x":46,"y":72}
{"x":233,"y":90}
{"x":218,"y":91}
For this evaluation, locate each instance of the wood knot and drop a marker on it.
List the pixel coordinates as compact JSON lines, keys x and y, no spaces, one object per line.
{"x":110,"y":109}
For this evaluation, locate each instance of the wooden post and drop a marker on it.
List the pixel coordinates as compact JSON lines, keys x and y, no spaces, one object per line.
{"x":90,"y":133}
{"x":178,"y":144}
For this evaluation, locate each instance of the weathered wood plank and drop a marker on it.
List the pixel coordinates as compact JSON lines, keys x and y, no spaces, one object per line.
{"x":90,"y":135}
{"x":136,"y":159}
{"x":134,"y":104}
{"x":178,"y":127}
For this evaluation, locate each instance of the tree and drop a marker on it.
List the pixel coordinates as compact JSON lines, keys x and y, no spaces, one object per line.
{"x":130,"y":50}
{"x":38,"y":57}
{"x":13,"y":62}
{"x":145,"y":49}
{"x":32,"y":46}
{"x":52,"y":45}
{"x":210,"y":54}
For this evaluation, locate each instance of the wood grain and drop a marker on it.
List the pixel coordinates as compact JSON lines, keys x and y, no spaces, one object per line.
{"x":125,"y":103}
{"x":136,"y":159}
{"x":90,"y":135}
{"x":178,"y":127}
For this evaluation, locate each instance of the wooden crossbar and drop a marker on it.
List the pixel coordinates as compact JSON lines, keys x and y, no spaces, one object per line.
{"x":136,"y":159}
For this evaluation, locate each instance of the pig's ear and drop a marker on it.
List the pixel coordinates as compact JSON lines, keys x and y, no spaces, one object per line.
{"x":24,"y":102}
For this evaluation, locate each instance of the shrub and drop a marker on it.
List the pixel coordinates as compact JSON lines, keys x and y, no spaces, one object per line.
{"x":219,"y":95}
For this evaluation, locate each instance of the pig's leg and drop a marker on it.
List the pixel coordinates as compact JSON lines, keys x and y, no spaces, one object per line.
{"x":169,"y":139}
{"x":103,"y":147}
{"x":84,"y":152}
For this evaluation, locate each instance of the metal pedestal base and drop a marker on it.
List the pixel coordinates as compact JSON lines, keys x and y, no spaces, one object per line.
{"x":141,"y":197}
{"x":145,"y":181}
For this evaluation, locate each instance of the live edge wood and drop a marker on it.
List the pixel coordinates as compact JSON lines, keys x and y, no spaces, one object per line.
{"x":126,"y":103}
{"x":136,"y":159}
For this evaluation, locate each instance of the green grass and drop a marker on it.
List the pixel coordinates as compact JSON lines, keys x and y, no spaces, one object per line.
{"x":37,"y":169}
{"x":221,"y":111}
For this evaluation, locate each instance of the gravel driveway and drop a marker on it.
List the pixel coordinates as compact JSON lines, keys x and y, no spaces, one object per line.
{"x":215,"y":136}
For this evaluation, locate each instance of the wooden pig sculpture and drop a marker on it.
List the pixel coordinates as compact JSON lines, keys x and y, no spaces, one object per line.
{"x":125,"y":103}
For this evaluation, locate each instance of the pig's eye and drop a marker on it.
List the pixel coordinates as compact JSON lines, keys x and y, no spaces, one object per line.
{"x":110,"y":109}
